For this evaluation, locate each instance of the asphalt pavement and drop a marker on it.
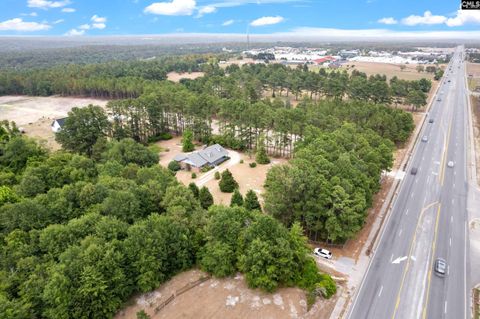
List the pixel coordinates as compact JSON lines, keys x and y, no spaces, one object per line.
{"x":428,"y":221}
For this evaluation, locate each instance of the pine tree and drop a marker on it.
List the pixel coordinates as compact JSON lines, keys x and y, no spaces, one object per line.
{"x":187,"y":141}
{"x":227,"y":183}
{"x":261,"y":156}
{"x":251,"y":201}
{"x":194,"y":188}
{"x":205,"y":197}
{"x":237,"y":199}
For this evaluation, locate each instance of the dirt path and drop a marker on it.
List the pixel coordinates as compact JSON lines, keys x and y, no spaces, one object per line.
{"x":223,"y":298}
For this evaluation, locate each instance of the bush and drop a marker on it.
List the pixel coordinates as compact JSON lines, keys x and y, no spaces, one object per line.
{"x":194,"y":175}
{"x":174,"y":166}
{"x":251,"y":201}
{"x":206,"y":169}
{"x":326,"y":286}
{"x":227,"y":184}
{"x":217,"y":175}
{"x":241,"y":161}
{"x":205,"y":198}
{"x":237,"y":199}
{"x":160,"y":137}
{"x":261,"y":157}
{"x":252,"y":165}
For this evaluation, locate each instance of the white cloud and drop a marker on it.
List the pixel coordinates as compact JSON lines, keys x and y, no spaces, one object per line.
{"x":46,"y":4}
{"x":32,"y":14}
{"x":84,"y":27}
{"x":99,"y":26}
{"x":228,"y":22}
{"x":58,"y":21}
{"x":75,"y":32}
{"x":97,"y":19}
{"x":464,"y":17}
{"x":388,"y":20}
{"x":427,"y":18}
{"x":206,"y":10}
{"x":18,"y":24}
{"x":68,"y":10}
{"x":236,"y":3}
{"x":172,"y":8}
{"x":266,"y":21}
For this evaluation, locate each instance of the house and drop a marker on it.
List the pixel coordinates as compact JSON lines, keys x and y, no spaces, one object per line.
{"x":208,"y":157}
{"x":57,"y":124}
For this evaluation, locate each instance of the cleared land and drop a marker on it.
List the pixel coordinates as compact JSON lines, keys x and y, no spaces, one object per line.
{"x":176,"y":77}
{"x":473,"y":69}
{"x":247,"y":177}
{"x":390,"y":70}
{"x":224,"y":298}
{"x":35,"y":114}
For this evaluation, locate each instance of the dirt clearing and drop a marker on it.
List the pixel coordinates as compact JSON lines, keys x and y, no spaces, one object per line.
{"x":247,"y":177}
{"x":223,"y":298}
{"x":35,"y":113}
{"x":28,"y":109}
{"x":390,"y":70}
{"x":176,"y":77}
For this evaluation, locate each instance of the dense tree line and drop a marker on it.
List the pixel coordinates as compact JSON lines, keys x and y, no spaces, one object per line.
{"x":79,"y":235}
{"x":330,"y":183}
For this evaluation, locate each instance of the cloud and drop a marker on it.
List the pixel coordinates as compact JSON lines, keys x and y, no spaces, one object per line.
{"x":228,"y":22}
{"x":68,"y":10}
{"x":266,"y":21}
{"x":388,"y":20}
{"x":236,"y":3}
{"x":74,"y":32}
{"x":58,"y":21}
{"x":172,"y":8}
{"x":206,"y":10}
{"x":427,"y":18}
{"x":98,"y":22}
{"x":464,"y":17}
{"x":84,"y":27}
{"x":32,"y":14}
{"x":18,"y":24}
{"x":46,"y":4}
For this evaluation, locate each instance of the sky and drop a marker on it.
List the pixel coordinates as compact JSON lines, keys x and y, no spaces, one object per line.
{"x":370,"y":18}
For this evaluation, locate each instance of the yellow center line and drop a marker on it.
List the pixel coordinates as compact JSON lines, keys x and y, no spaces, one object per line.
{"x":408,"y":257}
{"x":431,"y":261}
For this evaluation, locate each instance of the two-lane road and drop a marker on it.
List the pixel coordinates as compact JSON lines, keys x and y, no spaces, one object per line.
{"x":427,"y":221}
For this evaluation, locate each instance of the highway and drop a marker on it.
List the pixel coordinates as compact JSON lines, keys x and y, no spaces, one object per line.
{"x":428,"y":220}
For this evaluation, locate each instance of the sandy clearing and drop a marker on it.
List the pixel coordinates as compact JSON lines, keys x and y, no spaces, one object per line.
{"x":176,"y":77}
{"x":29,"y":109}
{"x":390,"y":70}
{"x":223,"y":298}
{"x":247,"y":177}
{"x":474,"y":69}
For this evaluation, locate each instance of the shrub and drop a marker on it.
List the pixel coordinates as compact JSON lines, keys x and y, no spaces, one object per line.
{"x":174,"y":166}
{"x":237,"y":199}
{"x":241,"y":161}
{"x":206,"y":169}
{"x":251,"y":201}
{"x":261,"y":157}
{"x":227,"y":184}
{"x":205,"y":198}
{"x":194,"y":175}
{"x":187,"y":141}
{"x":252,"y":165}
{"x":194,"y":188}
{"x":217,"y":175}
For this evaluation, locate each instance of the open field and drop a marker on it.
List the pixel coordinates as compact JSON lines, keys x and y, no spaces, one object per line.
{"x":224,"y":298}
{"x":176,"y":77}
{"x":28,"y":109}
{"x":35,"y":114}
{"x":247,"y":177}
{"x":390,"y":70}
{"x":473,"y":69}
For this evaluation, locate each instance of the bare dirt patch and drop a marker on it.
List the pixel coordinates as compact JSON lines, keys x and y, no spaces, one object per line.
{"x":28,"y":109}
{"x":473,"y":69}
{"x":176,"y":77}
{"x":223,"y":298}
{"x":475,"y":103}
{"x":390,"y":70}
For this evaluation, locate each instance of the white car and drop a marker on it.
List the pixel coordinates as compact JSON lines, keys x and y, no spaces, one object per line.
{"x":450,"y":164}
{"x":323,"y":253}
{"x":425,"y":139}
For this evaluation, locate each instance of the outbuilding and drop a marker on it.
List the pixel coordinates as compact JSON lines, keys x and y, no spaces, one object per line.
{"x":57,"y":124}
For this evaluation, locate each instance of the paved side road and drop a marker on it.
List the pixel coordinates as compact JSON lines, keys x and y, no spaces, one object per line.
{"x":428,"y":221}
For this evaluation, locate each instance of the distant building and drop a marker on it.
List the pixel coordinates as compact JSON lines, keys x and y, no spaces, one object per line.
{"x":326,"y":59}
{"x":57,"y":124}
{"x":211,"y":156}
